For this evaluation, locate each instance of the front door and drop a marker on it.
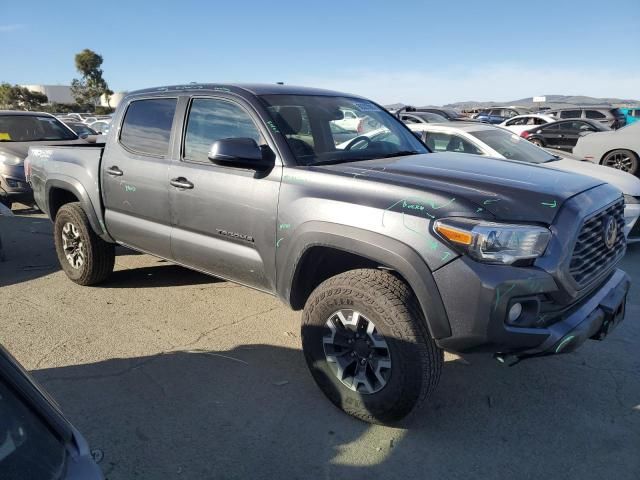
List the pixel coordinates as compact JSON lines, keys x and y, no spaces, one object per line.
{"x":134,"y":177}
{"x":224,"y":218}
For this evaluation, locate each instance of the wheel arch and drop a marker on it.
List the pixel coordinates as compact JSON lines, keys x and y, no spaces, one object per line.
{"x":59,"y":192}
{"x":316,"y":247}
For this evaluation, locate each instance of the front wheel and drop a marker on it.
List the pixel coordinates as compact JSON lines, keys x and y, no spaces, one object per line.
{"x":624,"y":160}
{"x":366,"y":343}
{"x":83,"y":255}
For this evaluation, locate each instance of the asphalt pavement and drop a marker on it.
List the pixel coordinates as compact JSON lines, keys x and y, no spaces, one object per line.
{"x":172,"y":374}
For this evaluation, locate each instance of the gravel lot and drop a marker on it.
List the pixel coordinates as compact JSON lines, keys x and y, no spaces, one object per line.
{"x":173,"y":374}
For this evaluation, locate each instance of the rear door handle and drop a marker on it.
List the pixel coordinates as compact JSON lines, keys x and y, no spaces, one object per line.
{"x":181,"y":182}
{"x":114,"y":171}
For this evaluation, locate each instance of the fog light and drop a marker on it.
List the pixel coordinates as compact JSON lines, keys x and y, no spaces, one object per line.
{"x":514,"y":312}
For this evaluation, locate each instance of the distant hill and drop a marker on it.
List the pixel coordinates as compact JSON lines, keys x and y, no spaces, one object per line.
{"x":553,"y":101}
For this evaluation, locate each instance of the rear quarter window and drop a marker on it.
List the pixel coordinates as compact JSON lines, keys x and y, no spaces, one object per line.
{"x":146,"y":128}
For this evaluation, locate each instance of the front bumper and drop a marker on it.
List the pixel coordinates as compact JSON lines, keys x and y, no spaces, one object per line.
{"x":478,"y":310}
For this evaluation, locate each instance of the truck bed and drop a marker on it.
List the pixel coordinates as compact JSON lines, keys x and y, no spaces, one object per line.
{"x":77,"y":165}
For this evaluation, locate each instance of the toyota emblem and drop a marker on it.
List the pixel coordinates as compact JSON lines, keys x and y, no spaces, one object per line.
{"x":610,"y":231}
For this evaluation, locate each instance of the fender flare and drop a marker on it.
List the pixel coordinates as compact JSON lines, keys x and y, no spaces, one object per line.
{"x":74,"y":186}
{"x":373,"y":246}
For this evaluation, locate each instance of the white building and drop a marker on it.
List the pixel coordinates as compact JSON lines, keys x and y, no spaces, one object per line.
{"x":62,"y":94}
{"x":55,"y":93}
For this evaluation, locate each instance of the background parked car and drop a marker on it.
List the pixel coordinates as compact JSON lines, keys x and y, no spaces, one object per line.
{"x":36,"y":440}
{"x":447,"y":113}
{"x":563,"y":134}
{"x":421,"y":117}
{"x":18,"y":132}
{"x":101,"y":126}
{"x":618,"y":149}
{"x":490,"y":141}
{"x":496,"y":115}
{"x":520,"y":123}
{"x":631,"y":115}
{"x":81,"y":129}
{"x":611,"y":117}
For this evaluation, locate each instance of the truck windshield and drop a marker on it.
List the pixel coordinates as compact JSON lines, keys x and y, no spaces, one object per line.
{"x":308,"y":123}
{"x":31,"y":128}
{"x":513,"y":147}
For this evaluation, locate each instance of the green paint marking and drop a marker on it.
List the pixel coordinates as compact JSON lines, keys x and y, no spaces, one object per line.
{"x":278,"y":242}
{"x":433,"y":204}
{"x":492,"y":200}
{"x":412,"y":206}
{"x":285,"y":226}
{"x":479,"y":210}
{"x":564,"y":342}
{"x":445,"y":256}
{"x":550,"y":205}
{"x":129,"y":188}
{"x":433,"y":244}
{"x":273,"y":126}
{"x":498,"y":294}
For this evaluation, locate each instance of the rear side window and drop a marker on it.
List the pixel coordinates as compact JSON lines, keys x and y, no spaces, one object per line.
{"x":596,"y":115}
{"x":211,"y":120}
{"x":146,"y":128}
{"x":571,"y":114}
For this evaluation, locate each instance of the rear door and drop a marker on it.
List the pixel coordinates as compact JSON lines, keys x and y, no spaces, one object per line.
{"x":224,"y":223}
{"x":135,"y":179}
{"x":551,"y":135}
{"x":572,"y":131}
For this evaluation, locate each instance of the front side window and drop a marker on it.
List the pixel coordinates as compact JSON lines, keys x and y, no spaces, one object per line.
{"x":146,"y":128}
{"x":28,"y":447}
{"x":448,"y":142}
{"x":33,"y":128}
{"x":305,"y":122}
{"x":517,"y":121}
{"x":594,"y":114}
{"x":212,"y":119}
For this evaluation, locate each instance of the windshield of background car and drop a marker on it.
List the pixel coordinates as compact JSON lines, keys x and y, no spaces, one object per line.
{"x":30,"y":128}
{"x":308,"y":123}
{"x":512,"y":146}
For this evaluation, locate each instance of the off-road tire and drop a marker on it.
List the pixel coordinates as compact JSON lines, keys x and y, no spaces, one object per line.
{"x":391,"y":305}
{"x":99,"y":255}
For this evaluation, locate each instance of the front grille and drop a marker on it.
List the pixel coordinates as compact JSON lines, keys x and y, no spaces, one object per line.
{"x":591,"y":256}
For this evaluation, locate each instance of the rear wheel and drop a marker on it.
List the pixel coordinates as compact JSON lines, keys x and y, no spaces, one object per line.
{"x":365,"y":341}
{"x":537,"y":141}
{"x":624,"y":160}
{"x":84,"y":257}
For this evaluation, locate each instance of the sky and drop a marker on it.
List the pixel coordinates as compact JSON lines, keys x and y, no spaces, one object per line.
{"x":415,"y":52}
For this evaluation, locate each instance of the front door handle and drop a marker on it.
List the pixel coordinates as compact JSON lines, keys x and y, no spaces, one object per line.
{"x":114,"y":171}
{"x":181,"y":182}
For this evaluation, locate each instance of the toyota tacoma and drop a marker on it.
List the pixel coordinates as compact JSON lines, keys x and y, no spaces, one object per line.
{"x":393,"y":253}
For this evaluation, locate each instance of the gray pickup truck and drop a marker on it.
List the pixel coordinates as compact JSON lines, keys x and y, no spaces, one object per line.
{"x":393,"y":252}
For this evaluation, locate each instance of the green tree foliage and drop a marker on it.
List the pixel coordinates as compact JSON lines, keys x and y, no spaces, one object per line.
{"x":88,"y":89}
{"x":15,"y":97}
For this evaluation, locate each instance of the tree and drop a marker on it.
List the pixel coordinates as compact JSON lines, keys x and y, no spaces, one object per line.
{"x":88,"y":89}
{"x":15,"y":97}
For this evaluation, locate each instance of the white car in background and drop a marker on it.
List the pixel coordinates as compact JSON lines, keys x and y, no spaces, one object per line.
{"x":616,"y":148}
{"x":101,"y":126}
{"x":490,"y":141}
{"x":520,"y":123}
{"x":350,"y":121}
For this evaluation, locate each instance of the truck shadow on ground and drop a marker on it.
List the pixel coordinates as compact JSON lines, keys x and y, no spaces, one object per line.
{"x":254,"y":412}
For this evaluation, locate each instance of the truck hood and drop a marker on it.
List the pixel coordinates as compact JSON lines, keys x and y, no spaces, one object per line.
{"x":21,"y":149}
{"x":510,"y":190}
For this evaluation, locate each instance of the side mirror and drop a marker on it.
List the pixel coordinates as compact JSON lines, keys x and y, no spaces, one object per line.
{"x":239,"y":152}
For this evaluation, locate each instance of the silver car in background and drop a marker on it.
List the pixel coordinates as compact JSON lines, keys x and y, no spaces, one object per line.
{"x":618,"y":148}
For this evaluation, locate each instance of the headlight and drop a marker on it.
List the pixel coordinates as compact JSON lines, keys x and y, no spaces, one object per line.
{"x":10,"y":159}
{"x":491,"y":242}
{"x":630,"y":199}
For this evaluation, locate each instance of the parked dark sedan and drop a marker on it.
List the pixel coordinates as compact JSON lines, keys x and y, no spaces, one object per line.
{"x":36,"y":440}
{"x":18,"y":132}
{"x":81,"y":129}
{"x":562,"y":135}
